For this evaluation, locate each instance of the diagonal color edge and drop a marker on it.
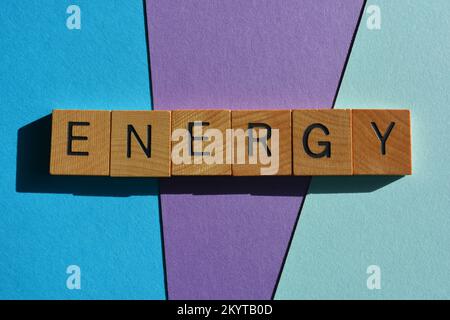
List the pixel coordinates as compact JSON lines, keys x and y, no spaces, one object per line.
{"x":221,"y":241}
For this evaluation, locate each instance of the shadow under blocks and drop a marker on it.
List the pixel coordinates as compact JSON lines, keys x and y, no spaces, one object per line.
{"x":33,"y":161}
{"x":33,"y":169}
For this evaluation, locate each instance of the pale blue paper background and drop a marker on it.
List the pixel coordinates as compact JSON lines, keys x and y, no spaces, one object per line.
{"x":404,"y":227}
{"x":114,"y":240}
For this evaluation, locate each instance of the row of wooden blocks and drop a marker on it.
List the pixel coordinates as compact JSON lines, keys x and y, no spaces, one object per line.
{"x":210,"y":142}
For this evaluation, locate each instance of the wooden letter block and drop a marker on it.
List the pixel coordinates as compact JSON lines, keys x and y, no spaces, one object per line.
{"x":80,"y":142}
{"x":381,"y":142}
{"x":140,"y":144}
{"x":322,"y":142}
{"x":199,"y":142}
{"x":266,"y":148}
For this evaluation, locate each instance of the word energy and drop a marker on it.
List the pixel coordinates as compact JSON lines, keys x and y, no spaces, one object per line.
{"x":224,"y":142}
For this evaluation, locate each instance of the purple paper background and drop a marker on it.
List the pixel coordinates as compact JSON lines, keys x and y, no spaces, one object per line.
{"x":226,"y":238}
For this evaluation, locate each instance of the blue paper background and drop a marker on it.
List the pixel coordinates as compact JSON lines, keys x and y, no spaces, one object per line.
{"x":44,"y":227}
{"x":111,"y":229}
{"x":404,"y":225}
